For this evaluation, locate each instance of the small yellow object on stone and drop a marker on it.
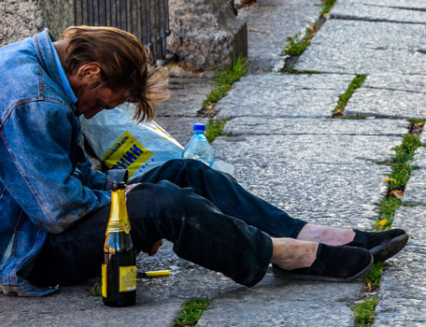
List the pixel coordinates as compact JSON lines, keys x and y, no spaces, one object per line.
{"x":157,"y":273}
{"x":389,"y":180}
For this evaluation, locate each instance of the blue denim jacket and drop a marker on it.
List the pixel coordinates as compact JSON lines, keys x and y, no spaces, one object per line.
{"x":46,"y":181}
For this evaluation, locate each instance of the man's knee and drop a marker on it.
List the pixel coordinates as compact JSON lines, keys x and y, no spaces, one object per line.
{"x":190,"y":164}
{"x":163,"y":194}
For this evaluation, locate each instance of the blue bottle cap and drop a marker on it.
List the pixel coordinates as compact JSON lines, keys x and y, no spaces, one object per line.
{"x":199,"y":127}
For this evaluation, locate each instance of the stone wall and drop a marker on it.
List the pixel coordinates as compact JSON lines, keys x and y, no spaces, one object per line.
{"x":205,"y":34}
{"x":24,"y":18}
{"x":20,"y":19}
{"x":58,"y":14}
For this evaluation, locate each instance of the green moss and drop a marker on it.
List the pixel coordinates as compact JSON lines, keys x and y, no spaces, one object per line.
{"x":191,"y":311}
{"x":344,"y":97}
{"x":364,"y":311}
{"x":223,"y":81}
{"x":214,"y":129}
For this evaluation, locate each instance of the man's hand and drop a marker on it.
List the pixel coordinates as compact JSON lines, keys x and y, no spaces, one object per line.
{"x":154,"y":248}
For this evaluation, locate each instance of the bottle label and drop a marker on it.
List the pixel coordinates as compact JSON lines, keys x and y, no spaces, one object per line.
{"x":127,"y":278}
{"x":127,"y":153}
{"x":104,"y":280}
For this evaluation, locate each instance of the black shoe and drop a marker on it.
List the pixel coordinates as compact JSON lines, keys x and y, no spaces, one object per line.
{"x":333,"y":264}
{"x":382,"y":245}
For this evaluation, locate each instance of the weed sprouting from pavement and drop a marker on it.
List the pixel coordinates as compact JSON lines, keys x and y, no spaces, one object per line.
{"x":397,"y":181}
{"x":296,"y":44}
{"x":327,"y":5}
{"x":191,"y":311}
{"x":344,"y":97}
{"x":373,"y":277}
{"x":364,"y":312}
{"x":214,"y":129}
{"x":223,"y":81}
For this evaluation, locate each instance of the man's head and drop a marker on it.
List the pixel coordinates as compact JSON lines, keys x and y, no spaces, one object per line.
{"x":106,"y":67}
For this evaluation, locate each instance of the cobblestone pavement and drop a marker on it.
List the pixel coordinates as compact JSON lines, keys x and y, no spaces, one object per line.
{"x":287,"y":149}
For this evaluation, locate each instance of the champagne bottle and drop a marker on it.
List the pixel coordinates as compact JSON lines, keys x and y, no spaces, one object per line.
{"x":119,"y":267}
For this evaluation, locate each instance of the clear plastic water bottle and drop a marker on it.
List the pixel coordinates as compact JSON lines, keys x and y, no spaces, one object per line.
{"x":198,"y":147}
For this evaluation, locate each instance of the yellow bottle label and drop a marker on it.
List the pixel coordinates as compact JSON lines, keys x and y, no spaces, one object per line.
{"x":104,"y":280}
{"x":127,"y":278}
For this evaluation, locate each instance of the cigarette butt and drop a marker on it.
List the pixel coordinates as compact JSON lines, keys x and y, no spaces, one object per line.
{"x":157,"y":273}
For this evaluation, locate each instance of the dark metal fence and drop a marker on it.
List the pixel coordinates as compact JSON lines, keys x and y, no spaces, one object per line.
{"x":147,"y":19}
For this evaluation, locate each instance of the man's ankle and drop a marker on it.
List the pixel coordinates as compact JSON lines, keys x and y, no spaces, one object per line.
{"x":291,"y":254}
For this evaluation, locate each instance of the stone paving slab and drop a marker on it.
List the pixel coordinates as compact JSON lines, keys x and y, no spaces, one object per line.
{"x":396,"y":11}
{"x":400,"y":82}
{"x":409,"y":312}
{"x":415,"y":191}
{"x":266,"y":313}
{"x":403,"y":287}
{"x":283,"y":95}
{"x":269,"y":23}
{"x":303,"y":150}
{"x":275,"y":302}
{"x":386,"y":103}
{"x":178,"y":114}
{"x":397,"y":4}
{"x":72,"y":306}
{"x":413,"y":220}
{"x":419,"y":159}
{"x":186,"y":97}
{"x":322,"y":175}
{"x":423,"y":138}
{"x":326,"y":126}
{"x":389,"y":95}
{"x":181,"y":128}
{"x":320,"y":192}
{"x":400,"y":281}
{"x":359,"y":47}
{"x":257,"y":83}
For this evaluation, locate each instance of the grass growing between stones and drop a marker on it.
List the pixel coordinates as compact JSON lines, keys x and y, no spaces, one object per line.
{"x":191,"y":311}
{"x":373,"y":277}
{"x":296,"y":44}
{"x":364,"y":312}
{"x":214,"y":129}
{"x":223,"y":80}
{"x":96,"y":289}
{"x":344,"y":97}
{"x":327,"y":6}
{"x":398,"y":178}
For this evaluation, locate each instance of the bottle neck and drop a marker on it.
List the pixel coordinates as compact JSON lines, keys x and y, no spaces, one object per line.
{"x":118,"y":219}
{"x":198,"y":132}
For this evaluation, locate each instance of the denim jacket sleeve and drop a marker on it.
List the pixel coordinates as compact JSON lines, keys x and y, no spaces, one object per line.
{"x":48,"y":173}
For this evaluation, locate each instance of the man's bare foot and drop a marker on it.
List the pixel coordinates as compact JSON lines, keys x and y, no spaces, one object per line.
{"x":327,"y":235}
{"x":291,"y":254}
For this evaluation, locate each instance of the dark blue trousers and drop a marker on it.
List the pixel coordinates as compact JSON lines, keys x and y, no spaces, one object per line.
{"x":210,"y":219}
